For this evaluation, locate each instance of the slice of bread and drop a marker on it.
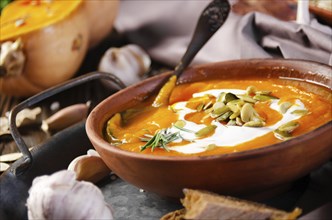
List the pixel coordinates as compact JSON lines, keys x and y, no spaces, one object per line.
{"x":206,"y":205}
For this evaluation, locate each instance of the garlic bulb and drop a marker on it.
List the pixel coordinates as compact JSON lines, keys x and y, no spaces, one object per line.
{"x":60,"y":196}
{"x":128,"y":63}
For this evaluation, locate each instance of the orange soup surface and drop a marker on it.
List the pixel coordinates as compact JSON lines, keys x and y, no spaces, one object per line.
{"x":222,"y":116}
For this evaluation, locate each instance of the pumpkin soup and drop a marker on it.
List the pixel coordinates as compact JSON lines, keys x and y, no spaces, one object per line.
{"x":220,"y":116}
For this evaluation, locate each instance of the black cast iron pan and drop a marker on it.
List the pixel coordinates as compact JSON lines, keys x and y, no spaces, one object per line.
{"x":53,"y":155}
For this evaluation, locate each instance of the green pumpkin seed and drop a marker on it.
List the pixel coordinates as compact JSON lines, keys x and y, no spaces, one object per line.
{"x":235,"y":114}
{"x":218,"y":105}
{"x":254,"y":124}
{"x":289,"y":126}
{"x":234,"y":107}
{"x":231,"y":122}
{"x":211,"y":147}
{"x":251,"y":90}
{"x":284,"y":107}
{"x":200,"y":107}
{"x":208,"y":111}
{"x":208,"y":105}
{"x":247,"y":112}
{"x":221,"y":97}
{"x":179,"y":124}
{"x":238,"y":121}
{"x":224,"y":116}
{"x":246,"y":98}
{"x":300,"y":112}
{"x":221,"y":111}
{"x":263,"y":92}
{"x":206,"y":130}
{"x":229,"y":97}
{"x":282,"y":135}
{"x":263,"y":98}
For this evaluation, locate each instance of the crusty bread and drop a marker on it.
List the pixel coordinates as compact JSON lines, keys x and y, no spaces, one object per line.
{"x":206,"y":205}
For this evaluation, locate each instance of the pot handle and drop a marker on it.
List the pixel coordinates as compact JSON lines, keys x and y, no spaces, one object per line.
{"x":19,"y":168}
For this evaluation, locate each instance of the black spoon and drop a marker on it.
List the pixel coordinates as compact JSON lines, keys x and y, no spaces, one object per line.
{"x":211,"y":19}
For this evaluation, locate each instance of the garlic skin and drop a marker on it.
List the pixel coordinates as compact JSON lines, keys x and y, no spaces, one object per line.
{"x":60,"y":196}
{"x":128,"y":63}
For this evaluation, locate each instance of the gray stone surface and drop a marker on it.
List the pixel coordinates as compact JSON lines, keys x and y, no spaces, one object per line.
{"x":129,"y":202}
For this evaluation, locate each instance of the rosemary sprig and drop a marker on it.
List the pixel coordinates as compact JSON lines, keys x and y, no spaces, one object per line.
{"x":160,"y":139}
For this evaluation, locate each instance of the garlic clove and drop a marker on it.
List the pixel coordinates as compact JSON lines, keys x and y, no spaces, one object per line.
{"x":61,"y":196}
{"x":89,"y":167}
{"x":66,"y":117}
{"x":128,"y":63}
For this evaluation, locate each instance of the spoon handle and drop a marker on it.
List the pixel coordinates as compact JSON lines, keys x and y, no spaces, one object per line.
{"x":211,"y":19}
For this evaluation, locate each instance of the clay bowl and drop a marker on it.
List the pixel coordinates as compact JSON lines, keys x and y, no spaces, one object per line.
{"x":243,"y":173}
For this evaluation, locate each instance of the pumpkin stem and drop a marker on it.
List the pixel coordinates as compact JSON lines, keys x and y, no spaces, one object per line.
{"x":12,"y":58}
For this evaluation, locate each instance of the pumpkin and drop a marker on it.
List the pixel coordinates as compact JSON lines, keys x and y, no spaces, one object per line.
{"x":55,"y":37}
{"x":101,"y":15}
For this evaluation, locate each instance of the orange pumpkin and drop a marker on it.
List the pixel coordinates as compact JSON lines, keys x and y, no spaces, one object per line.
{"x":55,"y":37}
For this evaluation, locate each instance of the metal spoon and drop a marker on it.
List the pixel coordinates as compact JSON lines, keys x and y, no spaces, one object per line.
{"x":211,"y":19}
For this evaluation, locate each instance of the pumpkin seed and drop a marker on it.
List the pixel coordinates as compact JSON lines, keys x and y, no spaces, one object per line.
{"x":173,"y":109}
{"x":247,"y":112}
{"x":218,"y":105}
{"x":238,"y":121}
{"x":221,"y":97}
{"x":229,"y":97}
{"x":232,"y":122}
{"x":264,"y":92}
{"x":263,"y":98}
{"x":282,"y":135}
{"x":233,"y":106}
{"x":284,"y":107}
{"x":206,"y":130}
{"x":289,"y":126}
{"x":208,"y":105}
{"x":209,"y":110}
{"x":235,"y":114}
{"x":254,"y":124}
{"x":211,"y":147}
{"x":300,"y":112}
{"x":246,"y":98}
{"x":180,"y":124}
{"x":251,"y":90}
{"x":224,"y":116}
{"x":221,"y":111}
{"x":200,"y":107}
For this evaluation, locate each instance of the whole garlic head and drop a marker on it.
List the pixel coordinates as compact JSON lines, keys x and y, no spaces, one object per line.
{"x":128,"y":63}
{"x":61,"y":196}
